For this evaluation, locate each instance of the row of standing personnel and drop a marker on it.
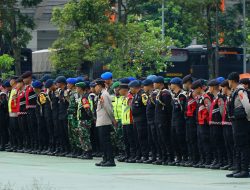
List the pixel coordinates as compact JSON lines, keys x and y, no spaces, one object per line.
{"x":181,"y":122}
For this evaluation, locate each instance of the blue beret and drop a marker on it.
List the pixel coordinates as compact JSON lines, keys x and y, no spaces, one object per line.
{"x":147,"y":82}
{"x":152,"y":77}
{"x":87,"y":83}
{"x":106,"y":76}
{"x":6,"y":84}
{"x":159,"y":79}
{"x":213,"y":82}
{"x":37,"y":84}
{"x":49,"y":83}
{"x":125,"y":81}
{"x":45,"y":78}
{"x":92,"y":84}
{"x":79,"y":79}
{"x":220,"y":79}
{"x":131,"y":78}
{"x":61,"y":79}
{"x":176,"y":80}
{"x":71,"y":81}
{"x":135,"y":83}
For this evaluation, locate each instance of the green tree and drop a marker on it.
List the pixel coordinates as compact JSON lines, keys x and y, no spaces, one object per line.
{"x":6,"y":64}
{"x":84,"y":32}
{"x":15,"y":28}
{"x":140,"y":50}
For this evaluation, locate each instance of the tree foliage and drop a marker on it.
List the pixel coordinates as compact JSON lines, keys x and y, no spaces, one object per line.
{"x":15,"y":27}
{"x":6,"y":64}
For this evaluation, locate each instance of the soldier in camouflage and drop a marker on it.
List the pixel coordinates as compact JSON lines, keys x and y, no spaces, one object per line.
{"x":84,"y":117}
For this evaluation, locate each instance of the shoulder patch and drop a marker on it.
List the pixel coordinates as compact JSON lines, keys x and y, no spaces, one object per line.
{"x":42,"y":98}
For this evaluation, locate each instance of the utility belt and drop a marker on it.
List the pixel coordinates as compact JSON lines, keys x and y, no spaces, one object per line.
{"x":239,"y":113}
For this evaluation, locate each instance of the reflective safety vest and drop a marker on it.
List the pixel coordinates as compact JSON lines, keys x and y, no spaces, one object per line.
{"x":203,"y":112}
{"x":191,"y":105}
{"x":117,"y":107}
{"x":214,"y":114}
{"x":126,"y":113}
{"x":12,"y":104}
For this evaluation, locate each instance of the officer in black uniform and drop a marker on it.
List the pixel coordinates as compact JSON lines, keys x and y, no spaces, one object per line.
{"x":3,"y":119}
{"x":139,"y":104}
{"x":53,"y":94}
{"x":150,"y":111}
{"x":178,"y":122}
{"x":239,"y":111}
{"x":41,"y":123}
{"x":163,"y":115}
{"x":48,"y":114}
{"x":62,"y":115}
{"x":191,"y":127}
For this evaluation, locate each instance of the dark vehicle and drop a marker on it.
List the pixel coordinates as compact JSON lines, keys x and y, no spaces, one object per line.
{"x":194,"y":60}
{"x":26,"y":60}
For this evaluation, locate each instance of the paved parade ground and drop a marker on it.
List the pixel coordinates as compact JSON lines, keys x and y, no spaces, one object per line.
{"x":36,"y":172}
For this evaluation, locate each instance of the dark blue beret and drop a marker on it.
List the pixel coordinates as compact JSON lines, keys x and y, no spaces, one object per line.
{"x":87,"y":83}
{"x":213,"y":82}
{"x":26,"y":74}
{"x":187,"y":78}
{"x":19,"y":79}
{"x":234,"y":76}
{"x":176,"y":80}
{"x":106,"y":75}
{"x":198,"y":83}
{"x":61,"y":79}
{"x":99,"y":81}
{"x":71,"y":81}
{"x":147,"y":82}
{"x":37,"y":84}
{"x":6,"y":84}
{"x":92,"y":84}
{"x":49,"y":83}
{"x":134,"y":83}
{"x":125,"y":80}
{"x":45,"y":78}
{"x":159,"y":79}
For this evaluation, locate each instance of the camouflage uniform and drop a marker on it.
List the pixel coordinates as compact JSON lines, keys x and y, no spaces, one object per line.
{"x":72,"y":120}
{"x":84,"y":116}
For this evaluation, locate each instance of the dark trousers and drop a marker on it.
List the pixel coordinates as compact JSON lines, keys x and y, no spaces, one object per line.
{"x":57,"y":140}
{"x":191,"y":139}
{"x":13,"y":131}
{"x":42,"y":133}
{"x":203,"y":133}
{"x":217,"y":142}
{"x":164,"y":135}
{"x":179,"y":141}
{"x":240,"y":134}
{"x":24,"y":130}
{"x":50,"y":131}
{"x":94,"y":138}
{"x":141,"y":128}
{"x":129,"y":140}
{"x":32,"y":126}
{"x":64,"y":134}
{"x":153,"y":140}
{"x":4,"y":122}
{"x":105,"y":142}
{"x":229,"y":143}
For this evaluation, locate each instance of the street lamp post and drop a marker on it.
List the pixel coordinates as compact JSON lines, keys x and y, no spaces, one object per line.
{"x":163,"y":19}
{"x":244,"y":36}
